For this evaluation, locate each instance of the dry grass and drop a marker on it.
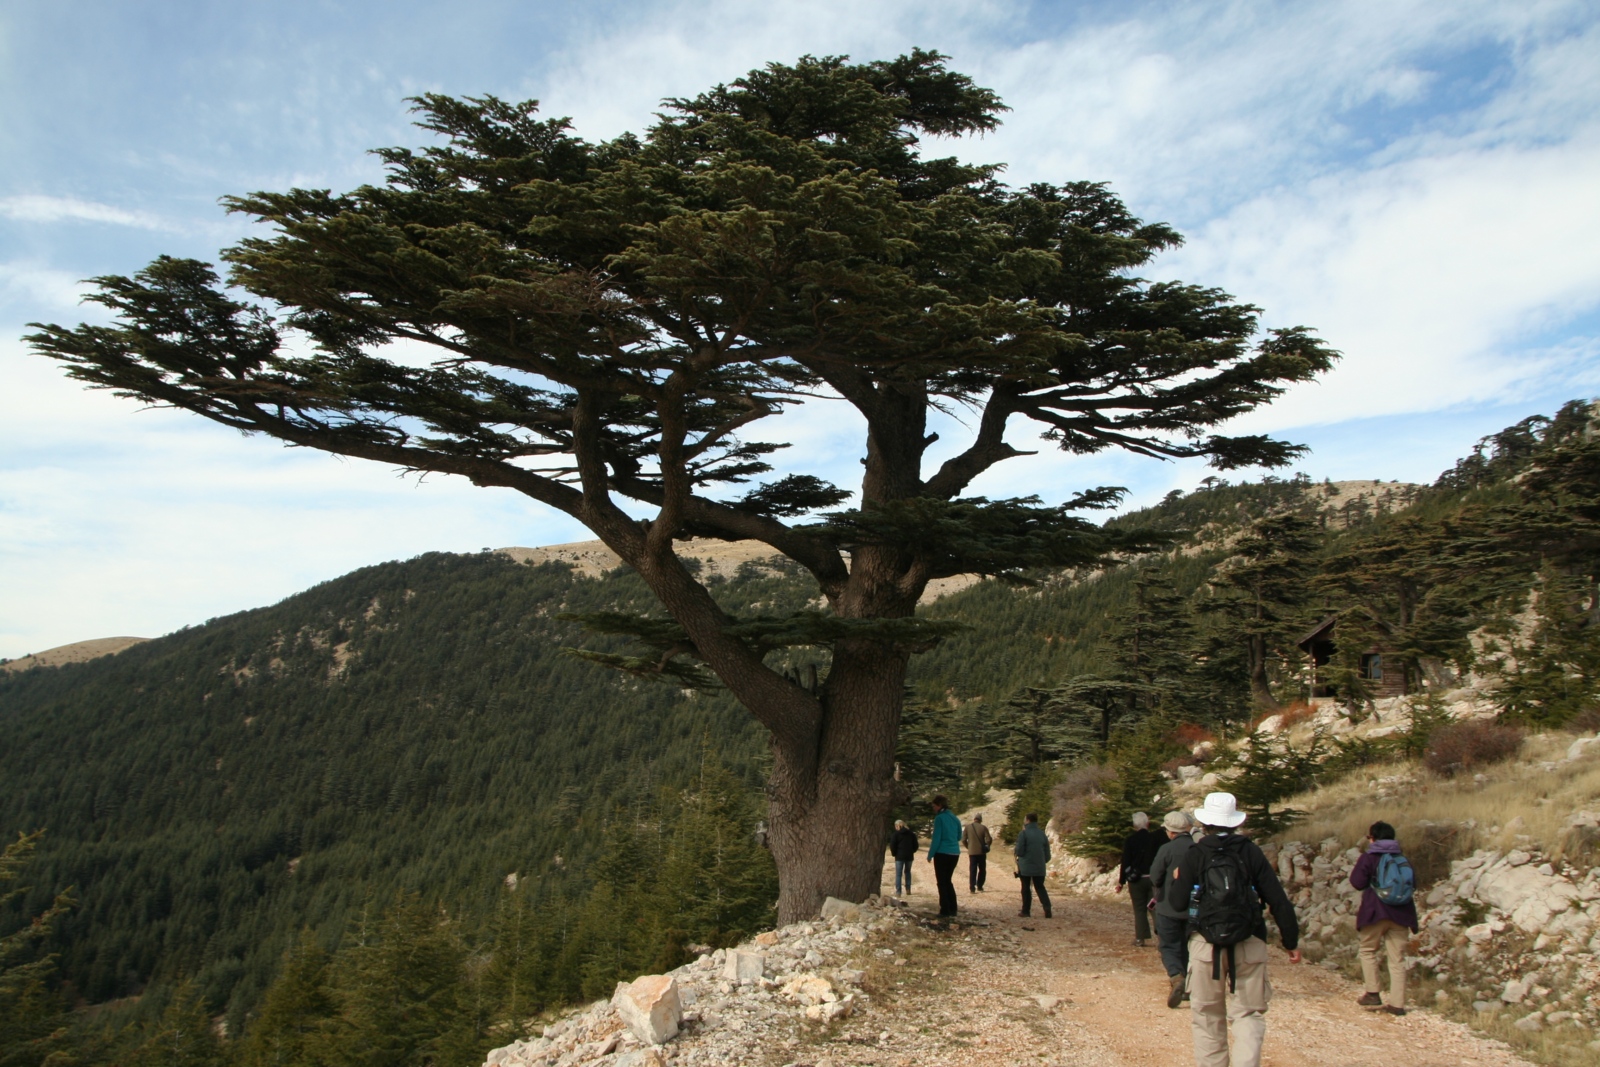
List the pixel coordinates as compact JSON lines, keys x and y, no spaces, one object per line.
{"x":1525,"y":802}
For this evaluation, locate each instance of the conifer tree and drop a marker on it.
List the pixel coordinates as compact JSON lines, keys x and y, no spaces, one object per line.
{"x":1152,"y":642}
{"x":290,"y":1029}
{"x":404,"y":995}
{"x":1138,"y":785}
{"x":182,"y":1037}
{"x":614,"y":320}
{"x":33,"y":1021}
{"x":718,"y":882}
{"x":1259,"y":594}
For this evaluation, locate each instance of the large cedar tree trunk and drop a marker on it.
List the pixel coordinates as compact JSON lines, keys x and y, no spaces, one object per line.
{"x":829,"y":807}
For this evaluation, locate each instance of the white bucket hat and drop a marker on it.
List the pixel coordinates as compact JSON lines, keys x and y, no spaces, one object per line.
{"x":1220,"y":809}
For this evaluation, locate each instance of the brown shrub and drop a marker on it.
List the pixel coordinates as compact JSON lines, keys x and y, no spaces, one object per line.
{"x":1296,"y":713}
{"x":1586,"y":721}
{"x":1190,"y":735}
{"x":1072,"y":795}
{"x":1466,"y":745}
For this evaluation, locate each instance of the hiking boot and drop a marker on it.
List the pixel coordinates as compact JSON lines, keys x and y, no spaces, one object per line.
{"x":1176,"y":997}
{"x":1047,"y":913}
{"x":1023,"y":915}
{"x":1138,"y":942}
{"x":1390,"y":1009}
{"x":1371,"y":1000}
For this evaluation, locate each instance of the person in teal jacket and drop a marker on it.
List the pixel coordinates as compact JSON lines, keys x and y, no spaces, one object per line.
{"x":944,"y":852}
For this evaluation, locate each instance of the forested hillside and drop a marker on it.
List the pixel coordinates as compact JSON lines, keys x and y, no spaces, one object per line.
{"x":407,"y":755}
{"x":411,"y":727}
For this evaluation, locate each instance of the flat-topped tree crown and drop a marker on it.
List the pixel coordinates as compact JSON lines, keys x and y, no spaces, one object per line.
{"x":615,"y":320}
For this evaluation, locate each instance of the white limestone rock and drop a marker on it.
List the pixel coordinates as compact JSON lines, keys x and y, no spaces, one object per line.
{"x":1531,"y":899}
{"x":743,"y":966}
{"x":650,"y":1007}
{"x":843,"y":910}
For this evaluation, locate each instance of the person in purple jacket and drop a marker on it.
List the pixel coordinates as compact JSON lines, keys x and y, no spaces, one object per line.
{"x":1382,"y":924}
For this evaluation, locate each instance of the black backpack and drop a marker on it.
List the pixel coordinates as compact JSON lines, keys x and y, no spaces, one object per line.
{"x":1227,"y":908}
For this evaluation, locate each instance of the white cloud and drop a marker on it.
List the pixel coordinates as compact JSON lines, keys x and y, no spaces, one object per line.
{"x":35,"y":208}
{"x":1430,"y":275}
{"x":33,"y":285}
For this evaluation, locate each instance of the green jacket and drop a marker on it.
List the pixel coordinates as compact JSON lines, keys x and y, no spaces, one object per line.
{"x":1032,"y":850}
{"x":946,"y":835}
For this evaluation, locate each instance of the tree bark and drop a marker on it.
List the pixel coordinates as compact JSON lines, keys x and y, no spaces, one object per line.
{"x":1260,"y":689}
{"x":829,"y":804}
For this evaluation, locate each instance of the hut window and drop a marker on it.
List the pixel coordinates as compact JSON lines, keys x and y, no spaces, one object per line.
{"x":1372,"y":666}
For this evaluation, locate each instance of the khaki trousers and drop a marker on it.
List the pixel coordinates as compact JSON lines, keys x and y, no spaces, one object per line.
{"x":1213,"y":1009}
{"x":1393,"y":938}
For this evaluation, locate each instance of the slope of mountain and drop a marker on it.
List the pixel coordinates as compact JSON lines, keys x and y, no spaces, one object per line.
{"x":76,"y":652}
{"x":410,"y":726}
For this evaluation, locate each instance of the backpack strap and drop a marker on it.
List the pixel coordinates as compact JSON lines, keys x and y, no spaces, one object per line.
{"x":1233,"y":970}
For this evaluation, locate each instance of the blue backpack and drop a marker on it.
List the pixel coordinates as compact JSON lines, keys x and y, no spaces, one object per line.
{"x":1395,"y":881}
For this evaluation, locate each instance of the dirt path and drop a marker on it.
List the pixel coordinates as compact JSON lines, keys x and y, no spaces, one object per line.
{"x":1075,"y":990}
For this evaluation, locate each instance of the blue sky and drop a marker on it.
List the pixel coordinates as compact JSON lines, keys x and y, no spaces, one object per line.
{"x":1420,"y":182}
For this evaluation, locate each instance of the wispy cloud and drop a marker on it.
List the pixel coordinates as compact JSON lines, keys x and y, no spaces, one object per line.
{"x":36,"y":208}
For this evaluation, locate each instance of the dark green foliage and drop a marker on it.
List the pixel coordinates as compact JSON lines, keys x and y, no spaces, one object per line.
{"x":228,"y":786}
{"x":1036,"y":727}
{"x":1033,"y":797}
{"x":1257,"y":598}
{"x":1137,"y":785}
{"x":1271,"y":769}
{"x":292,"y":1023}
{"x":33,"y":1018}
{"x":181,"y":1037}
{"x":402,"y":997}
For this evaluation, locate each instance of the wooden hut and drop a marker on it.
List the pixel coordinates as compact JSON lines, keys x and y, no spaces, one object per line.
{"x":1382,"y":679}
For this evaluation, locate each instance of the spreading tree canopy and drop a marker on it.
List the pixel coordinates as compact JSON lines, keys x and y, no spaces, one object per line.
{"x":612,"y":322}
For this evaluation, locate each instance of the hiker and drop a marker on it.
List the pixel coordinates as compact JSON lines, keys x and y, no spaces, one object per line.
{"x":1033,"y":858}
{"x":977,"y":838}
{"x":1387,"y":912}
{"x":1171,"y":895}
{"x":1138,"y":852}
{"x":1229,"y":880}
{"x":944,"y":852}
{"x":903,"y":846}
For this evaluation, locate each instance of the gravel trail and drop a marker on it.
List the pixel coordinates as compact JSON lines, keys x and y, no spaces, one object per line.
{"x":999,"y":989}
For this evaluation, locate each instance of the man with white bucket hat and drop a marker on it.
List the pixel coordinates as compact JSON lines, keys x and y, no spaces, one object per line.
{"x":1229,"y":881}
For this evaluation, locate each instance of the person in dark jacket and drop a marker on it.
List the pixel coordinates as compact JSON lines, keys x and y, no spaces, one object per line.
{"x":1236,"y":994}
{"x":1138,"y":852}
{"x":1381,"y":924}
{"x":1032,"y":850}
{"x":903,"y":846}
{"x":1170,"y":893}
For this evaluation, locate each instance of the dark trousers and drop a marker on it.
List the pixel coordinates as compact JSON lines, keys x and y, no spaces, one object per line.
{"x":977,"y":870}
{"x":944,"y":870}
{"x":1030,"y":884}
{"x":1139,"y":892}
{"x":1173,"y":936}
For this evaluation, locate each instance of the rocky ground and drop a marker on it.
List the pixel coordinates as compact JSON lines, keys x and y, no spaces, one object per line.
{"x":890,"y":986}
